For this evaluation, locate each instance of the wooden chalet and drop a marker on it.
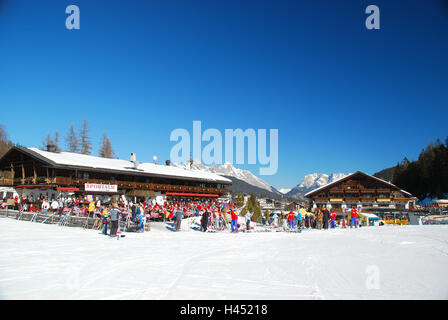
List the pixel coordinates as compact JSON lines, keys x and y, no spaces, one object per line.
{"x":360,"y":190}
{"x":47,"y":172}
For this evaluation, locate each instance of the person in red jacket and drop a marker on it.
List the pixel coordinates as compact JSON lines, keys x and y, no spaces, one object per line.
{"x":333,"y":219}
{"x":234,"y":224}
{"x":354,"y":218}
{"x":291,"y":220}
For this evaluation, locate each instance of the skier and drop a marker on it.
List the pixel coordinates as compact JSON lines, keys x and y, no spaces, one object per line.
{"x":179,"y":215}
{"x":139,"y":219}
{"x":354,"y":217}
{"x":299,"y":221}
{"x":204,"y":220}
{"x":91,"y":208}
{"x":291,"y":220}
{"x":114,"y":216}
{"x":319,"y":219}
{"x":45,"y":206}
{"x":54,"y":205}
{"x":275,"y":219}
{"x":105,"y":222}
{"x":333,"y":219}
{"x":248,"y":215}
{"x":234,"y":224}
{"x":326,"y":217}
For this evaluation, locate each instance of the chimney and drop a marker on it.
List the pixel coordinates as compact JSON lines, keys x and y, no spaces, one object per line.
{"x":167,"y":162}
{"x":133,"y":157}
{"x":51,"y":148}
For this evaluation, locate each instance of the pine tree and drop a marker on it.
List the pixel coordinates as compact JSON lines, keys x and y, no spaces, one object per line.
{"x":106,"y":150}
{"x":86,"y":146}
{"x":71,"y":140}
{"x":267,"y":214}
{"x":428,"y":176}
{"x":239,"y":200}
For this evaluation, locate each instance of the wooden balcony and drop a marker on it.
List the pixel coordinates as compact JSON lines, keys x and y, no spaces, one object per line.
{"x":6,"y":182}
{"x":67,"y":181}
{"x":354,"y":199}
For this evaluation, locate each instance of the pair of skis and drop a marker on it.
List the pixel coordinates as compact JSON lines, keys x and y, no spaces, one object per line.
{"x":19,"y":215}
{"x":65,"y":218}
{"x":45,"y":220}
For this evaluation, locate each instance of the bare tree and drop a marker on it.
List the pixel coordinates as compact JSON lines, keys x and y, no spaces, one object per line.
{"x":5,"y":143}
{"x":56,"y":141}
{"x":71,"y":140}
{"x":51,"y":142}
{"x":106,"y":150}
{"x":86,"y":146}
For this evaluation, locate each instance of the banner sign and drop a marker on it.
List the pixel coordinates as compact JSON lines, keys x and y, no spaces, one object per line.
{"x":100,"y":187}
{"x":336,"y":200}
{"x":383,"y":200}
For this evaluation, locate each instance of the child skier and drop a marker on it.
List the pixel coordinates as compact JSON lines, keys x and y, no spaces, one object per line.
{"x":139,"y":219}
{"x":105,"y":222}
{"x":248,"y":215}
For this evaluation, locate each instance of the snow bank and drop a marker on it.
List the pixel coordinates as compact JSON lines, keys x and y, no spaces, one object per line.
{"x":50,"y":262}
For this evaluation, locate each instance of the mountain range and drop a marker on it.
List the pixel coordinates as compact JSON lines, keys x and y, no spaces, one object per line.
{"x":311,"y":182}
{"x":243,"y":181}
{"x":246,"y":182}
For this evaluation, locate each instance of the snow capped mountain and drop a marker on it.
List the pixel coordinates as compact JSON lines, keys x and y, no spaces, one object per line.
{"x":285,"y":190}
{"x":313,"y":181}
{"x":227,"y":169}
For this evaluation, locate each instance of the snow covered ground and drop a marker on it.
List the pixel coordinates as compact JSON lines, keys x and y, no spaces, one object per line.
{"x":391,"y":262}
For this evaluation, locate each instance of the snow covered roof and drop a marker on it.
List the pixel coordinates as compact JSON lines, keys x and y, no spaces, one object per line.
{"x":92,"y":162}
{"x":356,"y":173}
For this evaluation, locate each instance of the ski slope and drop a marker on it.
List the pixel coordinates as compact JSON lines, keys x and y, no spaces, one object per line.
{"x":49,"y":262}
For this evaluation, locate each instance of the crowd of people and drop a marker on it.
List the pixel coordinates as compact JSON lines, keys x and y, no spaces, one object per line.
{"x":214,"y":215}
{"x":318,"y":218}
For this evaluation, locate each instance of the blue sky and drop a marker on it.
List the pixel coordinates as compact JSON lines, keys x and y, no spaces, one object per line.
{"x":343,"y":98}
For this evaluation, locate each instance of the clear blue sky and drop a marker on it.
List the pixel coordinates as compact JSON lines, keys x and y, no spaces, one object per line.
{"x":343,"y":98}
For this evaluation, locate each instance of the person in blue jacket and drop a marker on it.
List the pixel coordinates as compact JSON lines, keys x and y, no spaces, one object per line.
{"x":139,"y":219}
{"x":299,"y":221}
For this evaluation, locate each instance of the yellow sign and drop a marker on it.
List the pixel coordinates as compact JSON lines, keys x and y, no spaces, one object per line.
{"x":383,"y":200}
{"x":336,"y":200}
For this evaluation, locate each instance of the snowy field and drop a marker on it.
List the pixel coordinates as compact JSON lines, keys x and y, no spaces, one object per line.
{"x":391,"y":262}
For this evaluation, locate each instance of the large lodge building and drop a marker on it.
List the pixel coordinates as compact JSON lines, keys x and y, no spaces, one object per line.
{"x":362,"y":191}
{"x":45,"y":173}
